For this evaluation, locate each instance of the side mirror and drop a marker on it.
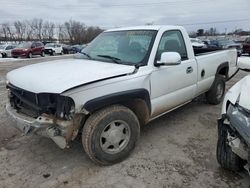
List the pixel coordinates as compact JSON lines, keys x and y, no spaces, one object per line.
{"x":244,"y":63}
{"x":169,"y":58}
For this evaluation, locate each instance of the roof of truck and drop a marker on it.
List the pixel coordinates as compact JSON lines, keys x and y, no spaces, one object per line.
{"x":146,"y":27}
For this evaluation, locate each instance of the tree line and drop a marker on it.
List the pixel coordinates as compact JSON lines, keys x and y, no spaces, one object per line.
{"x":213,"y":32}
{"x":71,"y":32}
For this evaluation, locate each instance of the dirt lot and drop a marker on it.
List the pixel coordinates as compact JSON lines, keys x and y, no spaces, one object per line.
{"x":176,"y":150}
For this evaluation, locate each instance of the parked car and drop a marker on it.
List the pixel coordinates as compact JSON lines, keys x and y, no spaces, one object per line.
{"x":67,"y":49}
{"x":197,"y":43}
{"x":225,"y":44}
{"x":233,"y":144}
{"x":5,"y":50}
{"x":78,"y":48}
{"x":53,"y":49}
{"x":126,"y":78}
{"x":208,"y":44}
{"x":246,"y":46}
{"x":28,"y":49}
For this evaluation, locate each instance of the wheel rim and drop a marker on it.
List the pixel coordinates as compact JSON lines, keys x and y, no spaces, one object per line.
{"x":219,"y":92}
{"x":115,"y":137}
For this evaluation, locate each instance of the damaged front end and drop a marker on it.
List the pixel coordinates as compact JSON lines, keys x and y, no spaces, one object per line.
{"x":237,"y":120}
{"x":46,"y":114}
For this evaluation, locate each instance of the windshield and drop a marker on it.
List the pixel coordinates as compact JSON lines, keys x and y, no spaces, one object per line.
{"x":24,"y":45}
{"x":50,"y":45}
{"x":124,"y":47}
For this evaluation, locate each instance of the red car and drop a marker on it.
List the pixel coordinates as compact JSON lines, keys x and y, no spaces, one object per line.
{"x":246,"y":46}
{"x":28,"y":49}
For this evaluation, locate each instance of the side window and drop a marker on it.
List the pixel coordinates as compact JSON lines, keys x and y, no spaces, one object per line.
{"x":172,"y":41}
{"x":33,"y":45}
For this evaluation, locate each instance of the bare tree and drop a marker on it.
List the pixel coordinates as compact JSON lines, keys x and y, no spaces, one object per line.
{"x":48,"y":31}
{"x":37,"y":26}
{"x":20,"y":30}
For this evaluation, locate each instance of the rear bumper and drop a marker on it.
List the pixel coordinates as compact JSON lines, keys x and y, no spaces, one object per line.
{"x":60,"y":131}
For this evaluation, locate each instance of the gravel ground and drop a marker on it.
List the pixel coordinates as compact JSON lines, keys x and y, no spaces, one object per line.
{"x":176,"y":150}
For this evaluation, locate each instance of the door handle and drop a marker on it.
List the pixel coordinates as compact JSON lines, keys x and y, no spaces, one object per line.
{"x":189,"y":70}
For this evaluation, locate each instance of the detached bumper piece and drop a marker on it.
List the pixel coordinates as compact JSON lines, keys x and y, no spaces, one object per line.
{"x":60,"y":131}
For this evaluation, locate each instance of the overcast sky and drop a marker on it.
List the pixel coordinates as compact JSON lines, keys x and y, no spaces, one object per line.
{"x":192,"y":14}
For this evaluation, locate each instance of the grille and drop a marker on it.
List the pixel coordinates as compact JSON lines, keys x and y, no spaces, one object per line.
{"x":24,"y":101}
{"x":34,"y":105}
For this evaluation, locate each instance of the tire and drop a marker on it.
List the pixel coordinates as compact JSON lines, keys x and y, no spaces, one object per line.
{"x":53,"y":53}
{"x":96,"y":134}
{"x":42,"y":54}
{"x":30,"y":55}
{"x":225,"y":156}
{"x":216,"y":92}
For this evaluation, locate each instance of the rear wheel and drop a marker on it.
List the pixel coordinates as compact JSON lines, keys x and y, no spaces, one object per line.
{"x":109,"y":135}
{"x":216,"y":92}
{"x":42,"y":54}
{"x":225,"y":156}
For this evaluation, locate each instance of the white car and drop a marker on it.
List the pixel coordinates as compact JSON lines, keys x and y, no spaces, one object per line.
{"x":126,"y":78}
{"x":5,"y":50}
{"x":197,"y":43}
{"x":233,"y":146}
{"x":53,"y":49}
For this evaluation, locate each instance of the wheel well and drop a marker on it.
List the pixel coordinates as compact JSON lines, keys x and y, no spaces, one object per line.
{"x":223,"y":70}
{"x":140,"y":108}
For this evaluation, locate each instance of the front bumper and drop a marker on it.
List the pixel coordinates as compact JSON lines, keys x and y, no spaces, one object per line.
{"x":48,"y":51}
{"x":60,"y":131}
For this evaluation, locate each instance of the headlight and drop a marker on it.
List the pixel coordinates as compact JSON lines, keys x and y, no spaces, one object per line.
{"x":238,"y":115}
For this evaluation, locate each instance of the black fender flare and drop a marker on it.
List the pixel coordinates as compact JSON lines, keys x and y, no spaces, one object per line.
{"x":117,"y":98}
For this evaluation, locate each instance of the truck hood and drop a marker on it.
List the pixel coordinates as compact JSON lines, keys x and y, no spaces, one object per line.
{"x":240,"y":92}
{"x":60,"y":75}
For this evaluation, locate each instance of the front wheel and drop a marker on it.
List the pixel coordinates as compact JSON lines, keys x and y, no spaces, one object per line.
{"x":42,"y":54}
{"x":30,"y":55}
{"x":225,"y":156}
{"x":216,"y":92}
{"x":110,"y":135}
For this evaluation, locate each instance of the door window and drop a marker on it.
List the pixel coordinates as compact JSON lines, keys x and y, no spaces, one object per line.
{"x":172,"y":41}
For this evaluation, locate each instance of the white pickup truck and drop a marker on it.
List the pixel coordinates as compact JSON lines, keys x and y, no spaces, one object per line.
{"x":124,"y":79}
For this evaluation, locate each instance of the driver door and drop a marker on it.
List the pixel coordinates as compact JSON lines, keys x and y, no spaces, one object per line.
{"x":172,"y":85}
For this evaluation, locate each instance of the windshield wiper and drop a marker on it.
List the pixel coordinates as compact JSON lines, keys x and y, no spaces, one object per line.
{"x":114,"y":59}
{"x":86,"y":55}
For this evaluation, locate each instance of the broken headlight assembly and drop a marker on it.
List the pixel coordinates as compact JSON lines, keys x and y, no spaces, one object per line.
{"x":239,"y":119}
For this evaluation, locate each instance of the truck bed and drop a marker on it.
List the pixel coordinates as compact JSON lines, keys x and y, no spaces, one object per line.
{"x":203,"y":51}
